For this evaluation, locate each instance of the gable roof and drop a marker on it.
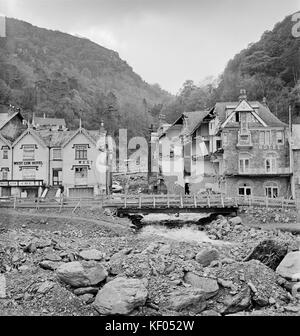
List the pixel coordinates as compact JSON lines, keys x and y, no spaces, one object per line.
{"x":49,"y":121}
{"x":7,"y":117}
{"x":192,"y":121}
{"x":262,"y":111}
{"x":55,"y":138}
{"x":33,"y":133}
{"x":79,"y":131}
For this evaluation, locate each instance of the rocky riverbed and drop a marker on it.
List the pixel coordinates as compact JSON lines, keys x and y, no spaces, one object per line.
{"x":62,"y":264}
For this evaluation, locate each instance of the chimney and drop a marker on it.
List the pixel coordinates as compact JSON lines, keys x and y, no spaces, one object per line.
{"x":264,"y":101}
{"x":243,"y":95}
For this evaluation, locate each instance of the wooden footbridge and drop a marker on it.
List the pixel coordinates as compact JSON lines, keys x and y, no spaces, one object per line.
{"x":146,"y":203}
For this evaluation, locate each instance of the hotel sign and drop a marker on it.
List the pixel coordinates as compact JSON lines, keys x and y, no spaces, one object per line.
{"x":28,"y":163}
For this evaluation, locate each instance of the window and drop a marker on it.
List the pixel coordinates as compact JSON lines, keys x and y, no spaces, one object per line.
{"x":237,"y":117}
{"x":244,"y":165}
{"x":225,"y":138}
{"x":80,"y":172}
{"x":5,"y":154}
{"x":279,"y":137}
{"x":219,"y":144}
{"x":56,"y":154}
{"x":244,"y":190}
{"x":267,"y":138}
{"x":261,"y":138}
{"x":28,"y":152}
{"x":271,"y":190}
{"x":271,"y":163}
{"x":80,"y":152}
{"x":28,"y":173}
{"x":4,"y":174}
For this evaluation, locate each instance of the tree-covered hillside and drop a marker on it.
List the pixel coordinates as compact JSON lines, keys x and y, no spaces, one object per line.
{"x":268,"y":68}
{"x":50,"y":72}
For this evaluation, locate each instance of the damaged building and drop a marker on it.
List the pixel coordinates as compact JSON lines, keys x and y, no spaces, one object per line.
{"x":239,"y":148}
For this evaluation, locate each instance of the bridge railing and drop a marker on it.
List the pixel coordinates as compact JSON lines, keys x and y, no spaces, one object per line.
{"x":148,"y":201}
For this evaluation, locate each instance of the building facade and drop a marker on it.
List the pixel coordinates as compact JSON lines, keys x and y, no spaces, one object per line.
{"x":38,"y":162}
{"x":244,"y":150}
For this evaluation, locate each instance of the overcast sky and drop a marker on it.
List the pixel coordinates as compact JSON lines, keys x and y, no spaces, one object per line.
{"x":165,"y":41}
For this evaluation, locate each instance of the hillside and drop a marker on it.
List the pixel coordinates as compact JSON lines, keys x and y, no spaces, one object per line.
{"x":66,"y":76}
{"x":268,"y":68}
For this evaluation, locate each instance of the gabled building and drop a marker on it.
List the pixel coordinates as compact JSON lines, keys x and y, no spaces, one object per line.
{"x":42,"y":161}
{"x":237,"y":148}
{"x":256,"y":149}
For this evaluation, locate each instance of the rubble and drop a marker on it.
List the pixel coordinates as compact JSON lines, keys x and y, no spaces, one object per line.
{"x":47,"y":273}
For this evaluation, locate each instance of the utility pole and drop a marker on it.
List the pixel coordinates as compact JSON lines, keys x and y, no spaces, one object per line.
{"x":151,"y":129}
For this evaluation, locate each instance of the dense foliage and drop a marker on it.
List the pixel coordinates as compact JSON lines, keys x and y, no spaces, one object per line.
{"x":61,"y":75}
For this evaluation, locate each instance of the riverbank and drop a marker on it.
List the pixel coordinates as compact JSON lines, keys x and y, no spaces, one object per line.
{"x":176,"y":271}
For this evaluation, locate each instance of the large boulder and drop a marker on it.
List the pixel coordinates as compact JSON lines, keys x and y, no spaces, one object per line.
{"x":92,"y":254}
{"x":209,"y":286}
{"x":187,"y":299}
{"x":121,"y":296}
{"x":77,"y":274}
{"x":206,"y":256}
{"x":269,"y":252}
{"x":289,"y":268}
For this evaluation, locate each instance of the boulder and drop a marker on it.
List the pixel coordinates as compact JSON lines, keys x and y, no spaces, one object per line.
{"x":236,"y":303}
{"x":289,"y":268}
{"x":235,"y":220}
{"x":206,"y":256}
{"x":49,"y":265}
{"x":269,"y":252}
{"x":208,"y":285}
{"x":2,"y":286}
{"x":187,"y":299}
{"x":52,"y":256}
{"x":76,"y":274}
{"x":92,"y":254}
{"x":45,"y":287}
{"x":121,"y":296}
{"x":116,"y":261}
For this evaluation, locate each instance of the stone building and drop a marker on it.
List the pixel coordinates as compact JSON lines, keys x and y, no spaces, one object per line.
{"x":256,"y":149}
{"x":237,"y":148}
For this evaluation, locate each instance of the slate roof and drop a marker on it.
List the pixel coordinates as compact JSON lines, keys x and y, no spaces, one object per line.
{"x":58,"y":138}
{"x":263,"y":112}
{"x":49,"y":121}
{"x":192,"y":121}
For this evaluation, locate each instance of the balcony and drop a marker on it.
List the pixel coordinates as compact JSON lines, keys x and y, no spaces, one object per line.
{"x":262,"y":171}
{"x":244,"y":140}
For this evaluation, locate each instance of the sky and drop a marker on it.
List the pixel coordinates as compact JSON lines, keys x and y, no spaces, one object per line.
{"x":164,"y":41}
